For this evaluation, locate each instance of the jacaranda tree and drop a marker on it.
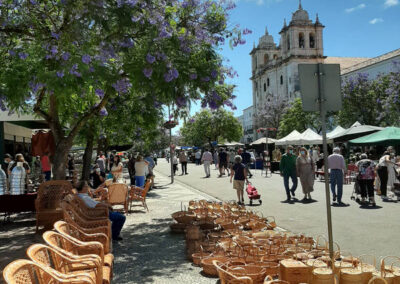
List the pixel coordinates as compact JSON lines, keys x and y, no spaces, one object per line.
{"x":69,"y":60}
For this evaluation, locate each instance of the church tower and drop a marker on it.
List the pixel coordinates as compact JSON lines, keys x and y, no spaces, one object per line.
{"x":302,"y":38}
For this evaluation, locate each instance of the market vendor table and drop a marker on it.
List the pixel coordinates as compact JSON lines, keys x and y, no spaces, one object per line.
{"x":18,"y":203}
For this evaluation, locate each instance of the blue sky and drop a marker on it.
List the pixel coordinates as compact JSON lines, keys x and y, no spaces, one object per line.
{"x":353,"y":28}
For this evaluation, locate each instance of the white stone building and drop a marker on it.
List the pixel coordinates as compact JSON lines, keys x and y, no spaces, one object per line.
{"x":275,"y":68}
{"x":248,"y":129}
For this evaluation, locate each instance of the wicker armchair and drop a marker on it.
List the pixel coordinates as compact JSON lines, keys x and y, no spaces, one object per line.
{"x":49,"y":257}
{"x":69,"y":230}
{"x":118,"y":195}
{"x":24,"y":271}
{"x":47,"y":203}
{"x":83,"y":210}
{"x":74,"y":248}
{"x":89,"y":226}
{"x":139,"y":194}
{"x":227,"y":278}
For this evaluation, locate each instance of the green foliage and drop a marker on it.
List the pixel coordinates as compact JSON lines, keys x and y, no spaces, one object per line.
{"x":208,"y":126}
{"x":296,"y":118}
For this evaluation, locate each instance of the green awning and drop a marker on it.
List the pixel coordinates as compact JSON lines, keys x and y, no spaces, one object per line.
{"x":389,"y":136}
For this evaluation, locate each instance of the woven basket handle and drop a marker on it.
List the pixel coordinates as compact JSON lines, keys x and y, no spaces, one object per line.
{"x":373,"y":279}
{"x":383,"y":270}
{"x":366,"y":255}
{"x":317,"y":241}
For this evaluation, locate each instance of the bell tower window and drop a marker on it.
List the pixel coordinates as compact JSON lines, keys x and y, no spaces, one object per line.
{"x":312,"y":40}
{"x":281,"y":80}
{"x":268,"y":82}
{"x":288,"y":42}
{"x":265,"y":87}
{"x":301,"y":40}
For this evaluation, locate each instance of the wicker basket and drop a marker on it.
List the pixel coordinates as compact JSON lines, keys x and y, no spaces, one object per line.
{"x":178,"y":228}
{"x":193,"y":232}
{"x":197,"y":257}
{"x":270,"y":280}
{"x":293,"y":271}
{"x":350,"y":276}
{"x":208,"y":266}
{"x":323,"y":276}
{"x":256,"y":273}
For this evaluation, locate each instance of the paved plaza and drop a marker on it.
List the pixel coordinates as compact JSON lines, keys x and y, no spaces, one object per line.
{"x":361,"y":230}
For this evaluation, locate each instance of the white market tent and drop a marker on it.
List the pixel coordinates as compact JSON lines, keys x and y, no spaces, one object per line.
{"x":232,"y":144}
{"x":308,"y":137}
{"x":263,"y":140}
{"x":335,"y":132}
{"x":294,"y":135}
{"x":355,"y":131}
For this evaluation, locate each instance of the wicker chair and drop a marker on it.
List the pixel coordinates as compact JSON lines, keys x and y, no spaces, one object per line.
{"x":24,"y":271}
{"x":69,"y":230}
{"x":118,"y":195}
{"x":49,"y":257}
{"x":139,"y":194}
{"x":89,"y":226}
{"x":47,"y":203}
{"x":74,"y":248}
{"x":83,"y":210}
{"x":227,"y":278}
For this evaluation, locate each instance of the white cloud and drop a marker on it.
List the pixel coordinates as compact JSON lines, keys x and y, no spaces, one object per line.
{"x":375,"y":21}
{"x":359,"y":7}
{"x":391,"y":3}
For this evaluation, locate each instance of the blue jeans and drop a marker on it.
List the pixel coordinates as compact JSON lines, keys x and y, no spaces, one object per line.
{"x":139,"y":181}
{"x":47,"y":175}
{"x":293,"y":176}
{"x":336,"y":177}
{"x":117,"y":222}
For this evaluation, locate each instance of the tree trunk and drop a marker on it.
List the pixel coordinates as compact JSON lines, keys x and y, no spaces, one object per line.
{"x":60,"y":158}
{"x":87,"y":156}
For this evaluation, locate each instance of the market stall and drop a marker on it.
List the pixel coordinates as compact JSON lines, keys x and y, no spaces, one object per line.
{"x":389,"y":136}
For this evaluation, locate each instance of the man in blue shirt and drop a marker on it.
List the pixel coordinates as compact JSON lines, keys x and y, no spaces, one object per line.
{"x":116,"y":218}
{"x":246,"y":160}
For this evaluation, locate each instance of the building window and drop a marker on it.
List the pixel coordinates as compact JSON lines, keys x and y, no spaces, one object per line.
{"x":301,"y":40}
{"x":265,"y":87}
{"x":266,"y":57}
{"x":281,"y":80}
{"x":268,"y":82}
{"x":275,"y":56}
{"x":288,"y":42}
{"x":312,"y":40}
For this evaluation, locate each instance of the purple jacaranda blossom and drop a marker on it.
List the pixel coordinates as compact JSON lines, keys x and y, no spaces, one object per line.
{"x":214,"y":74}
{"x":203,"y":103}
{"x":175,"y":73}
{"x":246,"y":31}
{"x":128,"y":43}
{"x":103,"y":112}
{"x":180,"y":102}
{"x":35,"y":86}
{"x":148,"y":72}
{"x":65,"y":56}
{"x":114,"y":107}
{"x":221,"y":82}
{"x":165,"y":34}
{"x":193,"y":76}
{"x":23,"y":55}
{"x":168,"y":77}
{"x":74,"y":71}
{"x":91,"y":69}
{"x":205,"y":79}
{"x":213,"y":105}
{"x":60,"y":74}
{"x":122,"y":86}
{"x":135,"y":19}
{"x":55,"y":35}
{"x":192,"y":120}
{"x":86,"y":59}
{"x":11,"y":52}
{"x":54,"y":50}
{"x":33,"y":2}
{"x":100,"y":93}
{"x":150,"y":58}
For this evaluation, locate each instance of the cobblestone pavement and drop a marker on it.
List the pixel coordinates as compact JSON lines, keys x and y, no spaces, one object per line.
{"x":149,"y":253}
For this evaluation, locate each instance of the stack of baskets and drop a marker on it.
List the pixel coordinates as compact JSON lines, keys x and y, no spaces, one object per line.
{"x":248,"y":245}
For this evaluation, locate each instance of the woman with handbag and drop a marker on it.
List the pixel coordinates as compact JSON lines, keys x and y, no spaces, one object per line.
{"x":305,"y":170}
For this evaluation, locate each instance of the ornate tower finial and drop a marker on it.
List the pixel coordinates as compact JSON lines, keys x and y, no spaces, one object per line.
{"x":254,"y":44}
{"x":300,"y":7}
{"x":284,"y":23}
{"x":317,"y":19}
{"x":266,"y":30}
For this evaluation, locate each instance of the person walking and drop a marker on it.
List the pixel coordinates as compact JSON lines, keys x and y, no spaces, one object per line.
{"x":183,"y":160}
{"x":383,"y":174}
{"x":140,"y":171}
{"x":71,"y":165}
{"x":131,"y":168}
{"x":174,"y":163}
{"x":239,"y":175}
{"x":287,"y":167}
{"x":366,"y":177}
{"x":305,"y":170}
{"x":246,"y":160}
{"x":46,"y":166}
{"x":207,"y":159}
{"x":222,"y":162}
{"x":215,"y":157}
{"x":337,"y":166}
{"x":197,"y":157}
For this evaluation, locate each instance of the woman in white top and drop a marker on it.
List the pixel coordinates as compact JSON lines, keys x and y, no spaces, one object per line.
{"x":117,"y":168}
{"x":140,"y":171}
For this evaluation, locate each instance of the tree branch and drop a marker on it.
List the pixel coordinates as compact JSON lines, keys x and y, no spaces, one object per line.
{"x":37,"y":108}
{"x":87,"y":116}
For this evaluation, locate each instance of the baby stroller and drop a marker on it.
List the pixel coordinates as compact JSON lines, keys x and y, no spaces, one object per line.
{"x":252,"y":193}
{"x":356,"y":191}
